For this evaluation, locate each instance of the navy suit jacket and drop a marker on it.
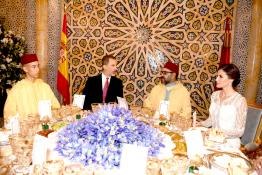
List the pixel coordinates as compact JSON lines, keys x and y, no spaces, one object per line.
{"x":93,"y":90}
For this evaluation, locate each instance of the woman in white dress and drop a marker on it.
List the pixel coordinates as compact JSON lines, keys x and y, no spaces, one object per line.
{"x":228,"y":108}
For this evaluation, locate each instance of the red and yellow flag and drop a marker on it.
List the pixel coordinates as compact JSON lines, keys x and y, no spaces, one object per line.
{"x":62,"y":75}
{"x":225,"y":51}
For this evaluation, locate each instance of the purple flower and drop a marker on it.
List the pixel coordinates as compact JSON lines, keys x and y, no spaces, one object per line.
{"x":98,"y":138}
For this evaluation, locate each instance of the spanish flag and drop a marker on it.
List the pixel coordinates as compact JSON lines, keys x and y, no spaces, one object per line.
{"x":62,"y":75}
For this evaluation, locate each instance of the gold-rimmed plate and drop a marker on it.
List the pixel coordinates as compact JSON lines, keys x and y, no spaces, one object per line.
{"x":226,"y":161}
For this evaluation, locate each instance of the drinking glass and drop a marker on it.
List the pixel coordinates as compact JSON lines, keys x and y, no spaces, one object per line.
{"x":96,"y":106}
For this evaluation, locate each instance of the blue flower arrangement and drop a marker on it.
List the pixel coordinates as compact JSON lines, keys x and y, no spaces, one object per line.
{"x":98,"y":138}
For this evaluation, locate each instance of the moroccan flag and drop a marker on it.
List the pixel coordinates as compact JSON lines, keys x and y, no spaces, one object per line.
{"x":62,"y":75}
{"x":225,"y":51}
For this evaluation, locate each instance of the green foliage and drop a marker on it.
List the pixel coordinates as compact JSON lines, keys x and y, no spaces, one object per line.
{"x":12,"y":47}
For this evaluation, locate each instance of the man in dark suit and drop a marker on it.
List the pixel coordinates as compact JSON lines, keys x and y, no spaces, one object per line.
{"x":105,"y":87}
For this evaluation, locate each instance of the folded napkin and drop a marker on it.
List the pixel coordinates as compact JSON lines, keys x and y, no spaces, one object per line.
{"x":166,"y":152}
{"x":39,"y":150}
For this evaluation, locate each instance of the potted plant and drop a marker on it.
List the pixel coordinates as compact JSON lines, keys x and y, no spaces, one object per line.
{"x":12,"y":47}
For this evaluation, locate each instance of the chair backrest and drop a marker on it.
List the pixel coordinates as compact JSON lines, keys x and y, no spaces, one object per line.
{"x":253,"y":125}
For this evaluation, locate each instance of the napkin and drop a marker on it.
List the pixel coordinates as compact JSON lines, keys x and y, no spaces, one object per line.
{"x":44,"y":108}
{"x":133,"y":160}
{"x":194,"y":142}
{"x":14,"y":124}
{"x":166,"y":152}
{"x":39,"y":150}
{"x":79,"y":100}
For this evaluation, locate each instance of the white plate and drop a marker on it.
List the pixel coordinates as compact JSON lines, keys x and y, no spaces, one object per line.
{"x":224,"y":160}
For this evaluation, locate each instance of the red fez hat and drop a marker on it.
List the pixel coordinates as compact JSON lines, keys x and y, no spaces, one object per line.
{"x":172,"y":66}
{"x":28,"y":58}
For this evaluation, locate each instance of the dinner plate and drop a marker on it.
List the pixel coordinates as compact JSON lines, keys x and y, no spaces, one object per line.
{"x":226,"y":160}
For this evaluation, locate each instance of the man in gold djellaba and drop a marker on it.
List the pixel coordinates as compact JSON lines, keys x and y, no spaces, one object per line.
{"x":172,"y":91}
{"x":23,"y":98}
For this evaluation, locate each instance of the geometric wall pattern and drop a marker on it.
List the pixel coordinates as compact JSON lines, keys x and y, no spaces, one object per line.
{"x":54,"y":33}
{"x":30,"y":34}
{"x":18,"y":16}
{"x":241,"y":44}
{"x":241,"y":36}
{"x":144,"y":34}
{"x":20,"y":20}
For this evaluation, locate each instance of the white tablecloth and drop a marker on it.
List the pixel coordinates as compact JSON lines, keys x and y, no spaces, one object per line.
{"x":44,"y":148}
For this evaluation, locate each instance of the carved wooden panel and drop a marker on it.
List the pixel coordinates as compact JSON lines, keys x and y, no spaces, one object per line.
{"x":143,"y":34}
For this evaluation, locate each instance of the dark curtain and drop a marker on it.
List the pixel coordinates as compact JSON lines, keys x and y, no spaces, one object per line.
{"x":3,"y":96}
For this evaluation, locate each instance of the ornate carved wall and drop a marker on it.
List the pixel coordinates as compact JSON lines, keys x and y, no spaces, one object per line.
{"x":14,"y":18}
{"x":30,"y":34}
{"x":20,"y":20}
{"x":240,"y":44}
{"x":143,"y":35}
{"x":54,"y":32}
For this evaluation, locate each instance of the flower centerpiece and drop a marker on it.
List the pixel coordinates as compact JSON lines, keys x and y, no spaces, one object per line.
{"x":98,"y":138}
{"x":12,"y":47}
